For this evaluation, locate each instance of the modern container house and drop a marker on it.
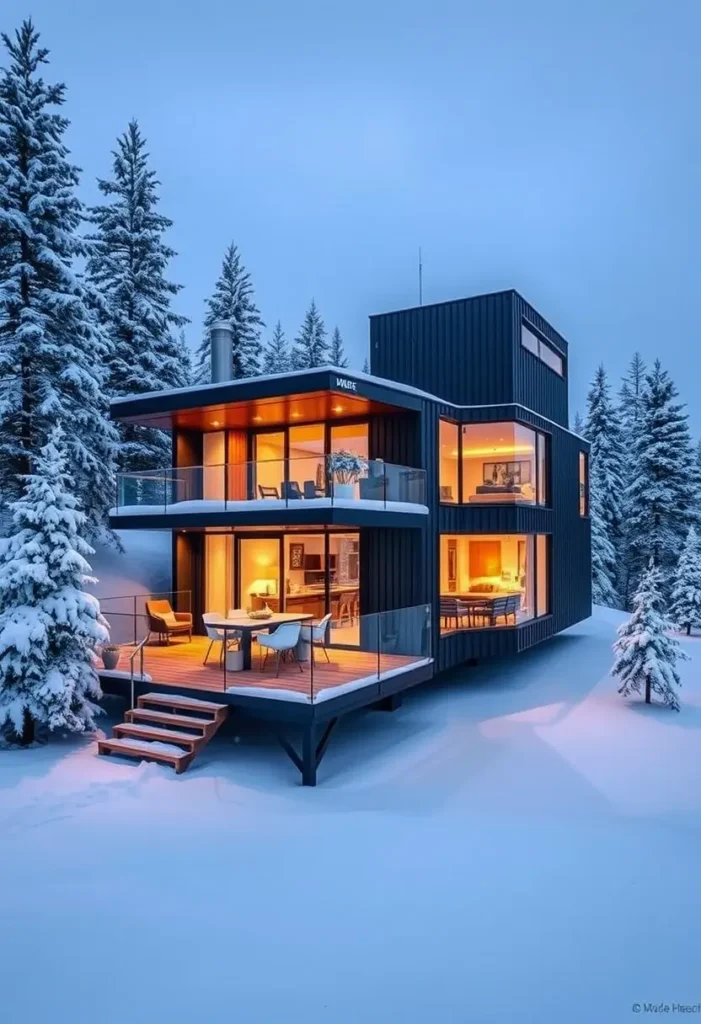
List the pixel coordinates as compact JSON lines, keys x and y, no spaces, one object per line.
{"x":430,"y":513}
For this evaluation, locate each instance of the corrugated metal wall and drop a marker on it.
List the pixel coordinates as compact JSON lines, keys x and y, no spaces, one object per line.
{"x":537,"y":386}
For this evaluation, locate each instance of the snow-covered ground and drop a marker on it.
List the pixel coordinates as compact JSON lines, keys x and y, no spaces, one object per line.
{"x":515,"y":844}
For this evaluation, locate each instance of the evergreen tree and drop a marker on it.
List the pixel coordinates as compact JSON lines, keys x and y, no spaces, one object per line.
{"x":127,"y":266}
{"x":645,"y":656}
{"x":337,"y":356}
{"x":49,"y":626}
{"x":311,"y":347}
{"x":276,"y":357}
{"x":578,"y":424}
{"x":233,"y":301}
{"x":630,"y":411}
{"x":686,"y":593}
{"x":661,"y":498}
{"x":366,"y":365}
{"x":52,"y":349}
{"x":631,"y":399}
{"x":606,"y":505}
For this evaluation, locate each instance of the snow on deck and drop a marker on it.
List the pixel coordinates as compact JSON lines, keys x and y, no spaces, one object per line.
{"x":516,"y":843}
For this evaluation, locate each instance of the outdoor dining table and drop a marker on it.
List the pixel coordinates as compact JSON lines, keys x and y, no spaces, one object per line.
{"x":246,"y":626}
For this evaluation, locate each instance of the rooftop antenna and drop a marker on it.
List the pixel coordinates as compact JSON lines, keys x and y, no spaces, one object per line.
{"x":421,"y":280}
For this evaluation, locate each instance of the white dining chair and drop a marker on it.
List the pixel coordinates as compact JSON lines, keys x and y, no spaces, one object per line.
{"x":282,"y":641}
{"x":315,"y":633}
{"x":215,"y":636}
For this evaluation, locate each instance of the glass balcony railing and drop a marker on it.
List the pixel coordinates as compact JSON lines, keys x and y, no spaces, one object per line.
{"x":341,"y":479}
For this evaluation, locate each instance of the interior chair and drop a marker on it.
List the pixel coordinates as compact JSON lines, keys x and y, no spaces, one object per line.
{"x":165,"y":622}
{"x":347,"y":603}
{"x":290,"y":489}
{"x":283,"y":642}
{"x":316,"y":632}
{"x":229,"y":639}
{"x":312,"y":490}
{"x":268,"y":492}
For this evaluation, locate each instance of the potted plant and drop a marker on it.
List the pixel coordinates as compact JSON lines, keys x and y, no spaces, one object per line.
{"x":110,"y":655}
{"x":346,"y":468}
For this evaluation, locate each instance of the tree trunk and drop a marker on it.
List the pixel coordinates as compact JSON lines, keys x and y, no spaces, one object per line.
{"x":688,"y":629}
{"x":648,"y":692}
{"x":28,"y":730}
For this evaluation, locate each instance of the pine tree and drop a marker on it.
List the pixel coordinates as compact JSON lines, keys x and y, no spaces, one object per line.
{"x":630,"y":409}
{"x":660,"y":500}
{"x":52,"y":349}
{"x":127,"y":266}
{"x":276,"y":356}
{"x":645,"y":656}
{"x":366,"y":365}
{"x":630,"y":398}
{"x":311,"y":347}
{"x":578,"y":424}
{"x":337,"y":355}
{"x":49,"y":626}
{"x":233,"y":301}
{"x":606,"y":505}
{"x":686,"y":593}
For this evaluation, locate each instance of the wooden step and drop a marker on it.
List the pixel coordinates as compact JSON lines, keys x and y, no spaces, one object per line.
{"x":146,"y":751}
{"x":176,"y":703}
{"x":205,"y":726}
{"x":152,"y":732}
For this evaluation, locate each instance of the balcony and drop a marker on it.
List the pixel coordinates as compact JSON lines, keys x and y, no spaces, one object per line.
{"x":340,"y":487}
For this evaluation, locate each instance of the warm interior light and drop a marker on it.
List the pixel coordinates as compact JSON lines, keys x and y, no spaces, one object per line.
{"x":264,"y":588}
{"x":506,"y":449}
{"x":296,"y":415}
{"x":257,"y":419}
{"x":338,"y":408}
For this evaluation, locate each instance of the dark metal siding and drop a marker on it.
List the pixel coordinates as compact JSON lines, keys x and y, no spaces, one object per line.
{"x":571,"y":542}
{"x":460,"y":351}
{"x":396,"y":438}
{"x":537,"y":386}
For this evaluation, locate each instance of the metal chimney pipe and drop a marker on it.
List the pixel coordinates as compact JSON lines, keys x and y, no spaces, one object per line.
{"x":221,"y":337}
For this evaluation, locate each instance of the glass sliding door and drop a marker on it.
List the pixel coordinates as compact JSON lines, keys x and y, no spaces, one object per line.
{"x":305,"y":573}
{"x":219,"y":572}
{"x":344,"y":588}
{"x":259,"y":572}
{"x":306,"y":467}
{"x":269,"y":458}
{"x":214,"y":458}
{"x":351,"y":437}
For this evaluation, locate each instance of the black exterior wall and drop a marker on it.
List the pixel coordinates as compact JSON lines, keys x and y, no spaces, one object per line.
{"x":469,"y":352}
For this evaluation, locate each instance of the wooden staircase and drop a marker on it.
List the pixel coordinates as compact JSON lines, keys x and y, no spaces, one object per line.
{"x":166,"y":728}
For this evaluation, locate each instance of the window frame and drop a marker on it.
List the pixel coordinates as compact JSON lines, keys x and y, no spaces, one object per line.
{"x":541,"y":437}
{"x":543,"y":343}
{"x":583,"y":483}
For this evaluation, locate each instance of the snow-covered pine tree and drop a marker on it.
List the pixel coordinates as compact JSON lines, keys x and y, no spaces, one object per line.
{"x":630,"y":398}
{"x":605,"y":471}
{"x":310,"y":347}
{"x":337,"y":355}
{"x":686,"y":592}
{"x":49,"y":625}
{"x":52,"y":349}
{"x":660,"y":502}
{"x":127,"y":266}
{"x":645,"y":656}
{"x":276,"y":356}
{"x":233,"y":300}
{"x":578,"y":424}
{"x":366,"y":365}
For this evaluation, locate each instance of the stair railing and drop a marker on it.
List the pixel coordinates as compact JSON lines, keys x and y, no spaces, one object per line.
{"x":140,"y":651}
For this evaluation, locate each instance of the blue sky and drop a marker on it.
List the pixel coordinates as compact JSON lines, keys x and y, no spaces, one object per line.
{"x":553,"y":147}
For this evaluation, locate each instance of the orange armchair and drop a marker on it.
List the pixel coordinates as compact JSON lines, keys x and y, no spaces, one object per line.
{"x":164,"y":621}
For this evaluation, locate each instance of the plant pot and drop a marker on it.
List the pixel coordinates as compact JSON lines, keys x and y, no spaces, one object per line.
{"x":343,"y":490}
{"x":234,"y":661}
{"x":110,"y":659}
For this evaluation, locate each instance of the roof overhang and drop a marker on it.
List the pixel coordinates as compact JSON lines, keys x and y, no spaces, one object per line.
{"x":303,"y":396}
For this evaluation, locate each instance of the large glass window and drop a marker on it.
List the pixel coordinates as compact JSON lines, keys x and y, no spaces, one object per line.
{"x":543,"y":574}
{"x":583,"y":484}
{"x":219,"y":572}
{"x":306,"y":467}
{"x":344,"y":587}
{"x":353,"y":437}
{"x":448,"y":439}
{"x":269,"y":456}
{"x":499,"y":464}
{"x":492,"y":580}
{"x":214,"y":457}
{"x":259,"y":572}
{"x":305,"y":573}
{"x":542,"y":470}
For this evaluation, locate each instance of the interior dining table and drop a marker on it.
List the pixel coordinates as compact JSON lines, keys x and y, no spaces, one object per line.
{"x":241,"y":622}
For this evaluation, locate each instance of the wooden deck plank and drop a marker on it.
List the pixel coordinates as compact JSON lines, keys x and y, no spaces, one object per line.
{"x":181,"y":664}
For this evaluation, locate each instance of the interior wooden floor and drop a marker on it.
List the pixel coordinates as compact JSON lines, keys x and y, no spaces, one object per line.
{"x":181,"y":664}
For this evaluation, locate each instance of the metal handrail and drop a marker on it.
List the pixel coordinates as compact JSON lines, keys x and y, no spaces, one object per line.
{"x":137,"y":650}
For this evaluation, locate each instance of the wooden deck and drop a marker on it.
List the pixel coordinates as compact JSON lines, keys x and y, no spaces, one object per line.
{"x":181,"y":664}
